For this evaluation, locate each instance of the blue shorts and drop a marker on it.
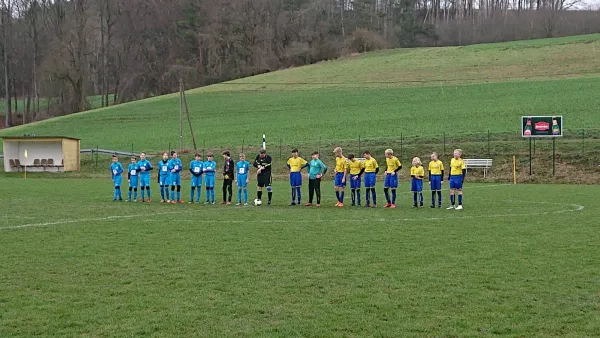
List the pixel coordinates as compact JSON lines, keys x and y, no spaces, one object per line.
{"x":416,"y":185}
{"x":370,"y":179}
{"x":145,"y":180}
{"x":175,"y":179}
{"x":354,"y":183}
{"x":436,"y":182}
{"x":133,"y":181}
{"x":163,"y":180}
{"x":209,"y":181}
{"x":196,"y":181}
{"x":338,"y":180}
{"x":391,"y":181}
{"x":295,"y":179}
{"x":241,"y":181}
{"x":118,"y":180}
{"x":456,"y":182}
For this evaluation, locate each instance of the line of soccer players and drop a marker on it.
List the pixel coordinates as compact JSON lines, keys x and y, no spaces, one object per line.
{"x":346,"y":169}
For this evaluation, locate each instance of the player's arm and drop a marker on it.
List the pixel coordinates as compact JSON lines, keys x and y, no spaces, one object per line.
{"x":149,"y":166}
{"x":442,"y":175}
{"x":429,"y":173}
{"x":464,"y":174}
{"x":255,"y":164}
{"x":362,"y":171}
{"x":422,"y":174}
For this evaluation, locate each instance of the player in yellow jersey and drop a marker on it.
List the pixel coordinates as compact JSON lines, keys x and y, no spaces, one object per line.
{"x":458,"y":171}
{"x":356,"y":168}
{"x":295,"y":164}
{"x":371,"y":170}
{"x":341,"y":167}
{"x":391,"y":177}
{"x":436,"y":179}
{"x":417,"y":173}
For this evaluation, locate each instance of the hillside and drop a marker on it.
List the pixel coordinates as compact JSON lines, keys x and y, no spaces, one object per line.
{"x":424,"y":91}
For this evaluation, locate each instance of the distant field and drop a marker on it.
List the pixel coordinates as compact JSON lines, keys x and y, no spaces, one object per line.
{"x":383,"y":94}
{"x":95,"y":102}
{"x":518,"y":261}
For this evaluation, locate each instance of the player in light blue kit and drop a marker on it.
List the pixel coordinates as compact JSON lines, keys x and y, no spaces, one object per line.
{"x":163,"y":178}
{"x":145,"y":168}
{"x":208,"y":170}
{"x":133,"y":178}
{"x":116,"y":171}
{"x":243,"y":176}
{"x":196,"y":171}
{"x":175,"y":166}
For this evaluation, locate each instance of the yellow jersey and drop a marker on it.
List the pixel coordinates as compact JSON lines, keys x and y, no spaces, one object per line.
{"x":417,"y":171}
{"x":296,"y":164}
{"x":392,"y":163}
{"x":341,"y":164}
{"x":370,"y":165}
{"x":355,"y":167}
{"x":436,"y":167}
{"x":457,"y":166}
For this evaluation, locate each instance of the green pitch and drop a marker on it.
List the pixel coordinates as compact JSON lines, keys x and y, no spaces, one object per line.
{"x":518,"y":261}
{"x":422,"y":92}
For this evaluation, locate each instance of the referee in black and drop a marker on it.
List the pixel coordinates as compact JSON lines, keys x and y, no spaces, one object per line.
{"x":263,"y":174}
{"x":228,"y":177}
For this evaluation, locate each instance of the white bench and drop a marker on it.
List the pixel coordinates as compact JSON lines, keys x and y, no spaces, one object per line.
{"x":475,"y":163}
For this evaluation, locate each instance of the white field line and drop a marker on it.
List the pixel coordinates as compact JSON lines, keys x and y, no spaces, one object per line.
{"x":108,"y":218}
{"x":574,"y":207}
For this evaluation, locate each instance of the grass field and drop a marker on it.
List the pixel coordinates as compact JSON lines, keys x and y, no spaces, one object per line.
{"x":518,"y":261}
{"x":410,"y":91}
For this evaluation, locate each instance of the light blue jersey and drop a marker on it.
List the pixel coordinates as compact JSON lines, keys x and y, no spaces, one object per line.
{"x":145,"y":173}
{"x":116,"y":172}
{"x":163,"y":172}
{"x":209,"y":170}
{"x":196,"y":171}
{"x":175,"y":166}
{"x":133,"y":175}
{"x":242,"y":169}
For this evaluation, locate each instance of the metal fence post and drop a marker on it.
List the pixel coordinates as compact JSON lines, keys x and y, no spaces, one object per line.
{"x":488,"y":143}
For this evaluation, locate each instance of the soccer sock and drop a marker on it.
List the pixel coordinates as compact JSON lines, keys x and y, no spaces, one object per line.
{"x":192,"y":193}
{"x":162,"y":192}
{"x":179,"y":193}
{"x":207,"y":194}
{"x":270,"y":194}
{"x":393,"y":196}
{"x":212,"y":194}
{"x":148,"y":191}
{"x":143,"y":192}
{"x":421,"y":198}
{"x":439,"y":193}
{"x":245,"y":195}
{"x":459,"y":199}
{"x":367,"y":197}
{"x":199,"y":194}
{"x":337,"y":194}
{"x":172,"y":193}
{"x":358,"y":196}
{"x":293,"y":195}
{"x":129,"y":194}
{"x":239,"y":195}
{"x":451,"y":199}
{"x":120,"y":196}
{"x":433,"y":198}
{"x":299,"y":194}
{"x":386,"y":191}
{"x":342,"y":196}
{"x":115,"y":194}
{"x":259,"y":194}
{"x":353,"y":192}
{"x":415,"y":198}
{"x":135,"y":193}
{"x":374,"y":196}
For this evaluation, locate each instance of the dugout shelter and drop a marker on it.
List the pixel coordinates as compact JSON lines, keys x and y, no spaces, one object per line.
{"x":41,"y":153}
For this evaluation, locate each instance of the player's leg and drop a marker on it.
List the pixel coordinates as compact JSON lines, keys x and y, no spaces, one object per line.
{"x":299,"y":188}
{"x":358,"y":183}
{"x":452,"y":191}
{"x":193,"y":189}
{"x":148,"y":189}
{"x":259,"y":187}
{"x":386,"y":190}
{"x":245,"y":194}
{"x":317,"y":189}
{"x":229,"y":190}
{"x":269,"y":192}
{"x":459,"y":191}
{"x":293,"y":187}
{"x":224,"y":189}
{"x":239,"y":195}
{"x":311,"y":191}
{"x":367,"y":189}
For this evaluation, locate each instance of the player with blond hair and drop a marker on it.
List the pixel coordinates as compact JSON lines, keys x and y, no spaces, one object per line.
{"x":436,"y":179}
{"x":417,"y":173}
{"x":458,"y":171}
{"x":391,"y":177}
{"x":341,"y":167}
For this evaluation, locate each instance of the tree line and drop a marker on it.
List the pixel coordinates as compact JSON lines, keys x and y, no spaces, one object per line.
{"x":58,"y":53}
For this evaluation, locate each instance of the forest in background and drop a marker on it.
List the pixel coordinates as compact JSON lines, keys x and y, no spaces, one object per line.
{"x":56,"y":54}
